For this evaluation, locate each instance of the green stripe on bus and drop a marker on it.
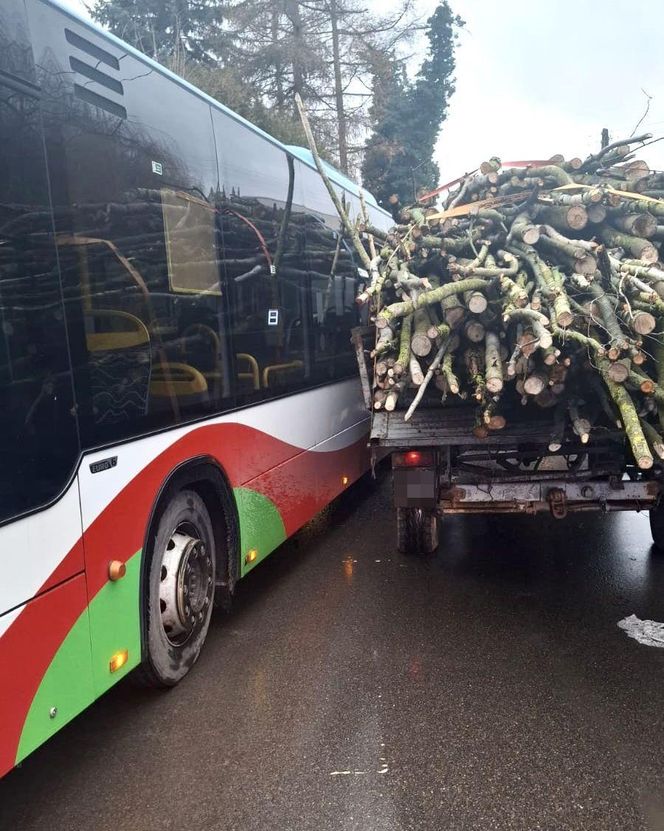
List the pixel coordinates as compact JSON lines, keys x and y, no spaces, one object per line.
{"x":74,"y":679}
{"x":79,"y":673}
{"x":261,"y":526}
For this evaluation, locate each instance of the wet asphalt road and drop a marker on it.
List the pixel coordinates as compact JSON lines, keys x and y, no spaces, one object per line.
{"x":487,"y":687}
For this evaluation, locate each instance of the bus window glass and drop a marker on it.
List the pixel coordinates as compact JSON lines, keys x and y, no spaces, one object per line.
{"x":333,"y":282}
{"x":38,"y":436}
{"x":263,"y":229}
{"x":138,"y":244}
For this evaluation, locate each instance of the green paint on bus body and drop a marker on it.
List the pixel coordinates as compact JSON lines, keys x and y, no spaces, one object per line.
{"x":79,"y":671}
{"x":261,"y":526}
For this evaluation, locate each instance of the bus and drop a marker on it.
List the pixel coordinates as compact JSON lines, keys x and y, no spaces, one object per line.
{"x":179,"y":392}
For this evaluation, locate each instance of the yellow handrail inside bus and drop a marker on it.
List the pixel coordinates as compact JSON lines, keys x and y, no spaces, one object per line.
{"x":254,"y":373}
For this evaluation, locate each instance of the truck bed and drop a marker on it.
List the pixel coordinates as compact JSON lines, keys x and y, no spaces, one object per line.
{"x":449,"y":426}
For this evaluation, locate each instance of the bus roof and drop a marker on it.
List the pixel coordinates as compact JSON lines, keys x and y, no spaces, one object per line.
{"x":300,"y":152}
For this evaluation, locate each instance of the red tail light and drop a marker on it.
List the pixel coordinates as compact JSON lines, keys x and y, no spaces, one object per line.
{"x":413,"y":458}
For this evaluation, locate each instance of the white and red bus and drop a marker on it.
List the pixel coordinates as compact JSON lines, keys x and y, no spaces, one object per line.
{"x":178,"y":390}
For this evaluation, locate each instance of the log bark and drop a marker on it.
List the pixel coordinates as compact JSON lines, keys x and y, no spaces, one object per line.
{"x":630,"y":420}
{"x":493,"y":364}
{"x":397,"y":310}
{"x":403,"y":358}
{"x":564,"y":218}
{"x":638,"y":225}
{"x":639,"y":248}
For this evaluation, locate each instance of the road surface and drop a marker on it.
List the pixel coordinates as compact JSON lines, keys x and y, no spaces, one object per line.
{"x":352,"y":689}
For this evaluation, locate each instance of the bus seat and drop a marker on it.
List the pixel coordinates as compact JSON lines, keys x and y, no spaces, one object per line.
{"x":182,"y":381}
{"x":272,"y":372}
{"x":120,"y":365}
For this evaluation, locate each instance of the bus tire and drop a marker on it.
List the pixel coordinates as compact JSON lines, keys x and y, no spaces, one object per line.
{"x":417,"y":530}
{"x":180,"y":590}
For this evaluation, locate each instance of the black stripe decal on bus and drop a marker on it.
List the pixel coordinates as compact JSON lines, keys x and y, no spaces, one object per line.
{"x":99,"y":101}
{"x":92,"y":50}
{"x":96,"y":76}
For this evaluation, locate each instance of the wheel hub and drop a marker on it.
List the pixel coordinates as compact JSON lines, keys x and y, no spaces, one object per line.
{"x":186,"y":588}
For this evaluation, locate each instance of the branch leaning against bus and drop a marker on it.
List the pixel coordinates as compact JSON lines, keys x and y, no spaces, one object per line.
{"x":536,"y":285}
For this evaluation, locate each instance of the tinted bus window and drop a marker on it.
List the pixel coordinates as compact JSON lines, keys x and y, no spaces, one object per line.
{"x":38,"y":436}
{"x":15,"y":48}
{"x":263,"y":229}
{"x":333,"y":282}
{"x":134,"y":176}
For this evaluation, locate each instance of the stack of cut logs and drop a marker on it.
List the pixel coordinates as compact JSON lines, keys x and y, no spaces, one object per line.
{"x":538,"y":284}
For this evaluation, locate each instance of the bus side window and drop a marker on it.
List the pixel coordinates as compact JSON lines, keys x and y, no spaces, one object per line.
{"x":139,"y":244}
{"x":262,"y":222}
{"x":38,"y":435}
{"x":333,"y":285}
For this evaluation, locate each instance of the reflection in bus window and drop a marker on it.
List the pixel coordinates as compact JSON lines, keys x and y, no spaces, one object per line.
{"x":38,"y":437}
{"x":263,"y":230}
{"x":148,"y":300}
{"x":189,"y":228}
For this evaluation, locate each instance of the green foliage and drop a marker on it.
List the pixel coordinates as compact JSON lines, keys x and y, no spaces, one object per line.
{"x":228,"y":85}
{"x":407,"y":115}
{"x":170,"y":31}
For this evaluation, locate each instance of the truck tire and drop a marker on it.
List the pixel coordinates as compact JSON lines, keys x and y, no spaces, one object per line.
{"x":417,"y":530}
{"x":657,"y":526}
{"x":180,"y":583}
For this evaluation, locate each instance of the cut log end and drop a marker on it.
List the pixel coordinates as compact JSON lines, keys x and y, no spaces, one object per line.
{"x":421,"y":345}
{"x":564,"y":319}
{"x":494,"y":385}
{"x":643,"y":323}
{"x":618,"y":372}
{"x":530,"y":235}
{"x":496,"y":422}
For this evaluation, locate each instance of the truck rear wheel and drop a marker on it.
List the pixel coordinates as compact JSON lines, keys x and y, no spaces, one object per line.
{"x":417,"y":530}
{"x":657,"y":525}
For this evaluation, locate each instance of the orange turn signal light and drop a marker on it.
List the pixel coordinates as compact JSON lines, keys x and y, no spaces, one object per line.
{"x":116,"y":570}
{"x":118,"y":660}
{"x":345,"y":480}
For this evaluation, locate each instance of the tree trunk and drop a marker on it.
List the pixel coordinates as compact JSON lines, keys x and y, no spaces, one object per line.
{"x":338,"y":89}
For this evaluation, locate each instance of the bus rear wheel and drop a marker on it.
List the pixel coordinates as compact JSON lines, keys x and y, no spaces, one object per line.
{"x":181,"y":583}
{"x":417,"y":530}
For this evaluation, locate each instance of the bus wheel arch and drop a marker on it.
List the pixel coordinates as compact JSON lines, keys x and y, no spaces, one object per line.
{"x":192,"y":541}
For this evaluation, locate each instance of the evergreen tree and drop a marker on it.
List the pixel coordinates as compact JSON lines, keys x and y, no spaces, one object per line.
{"x":408,"y":115}
{"x":170,"y":31}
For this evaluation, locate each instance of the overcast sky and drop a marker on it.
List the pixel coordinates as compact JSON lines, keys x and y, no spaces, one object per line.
{"x":536,"y":78}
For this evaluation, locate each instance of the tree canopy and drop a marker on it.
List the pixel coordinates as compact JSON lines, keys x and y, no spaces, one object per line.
{"x":346,"y":62}
{"x":407,"y":115}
